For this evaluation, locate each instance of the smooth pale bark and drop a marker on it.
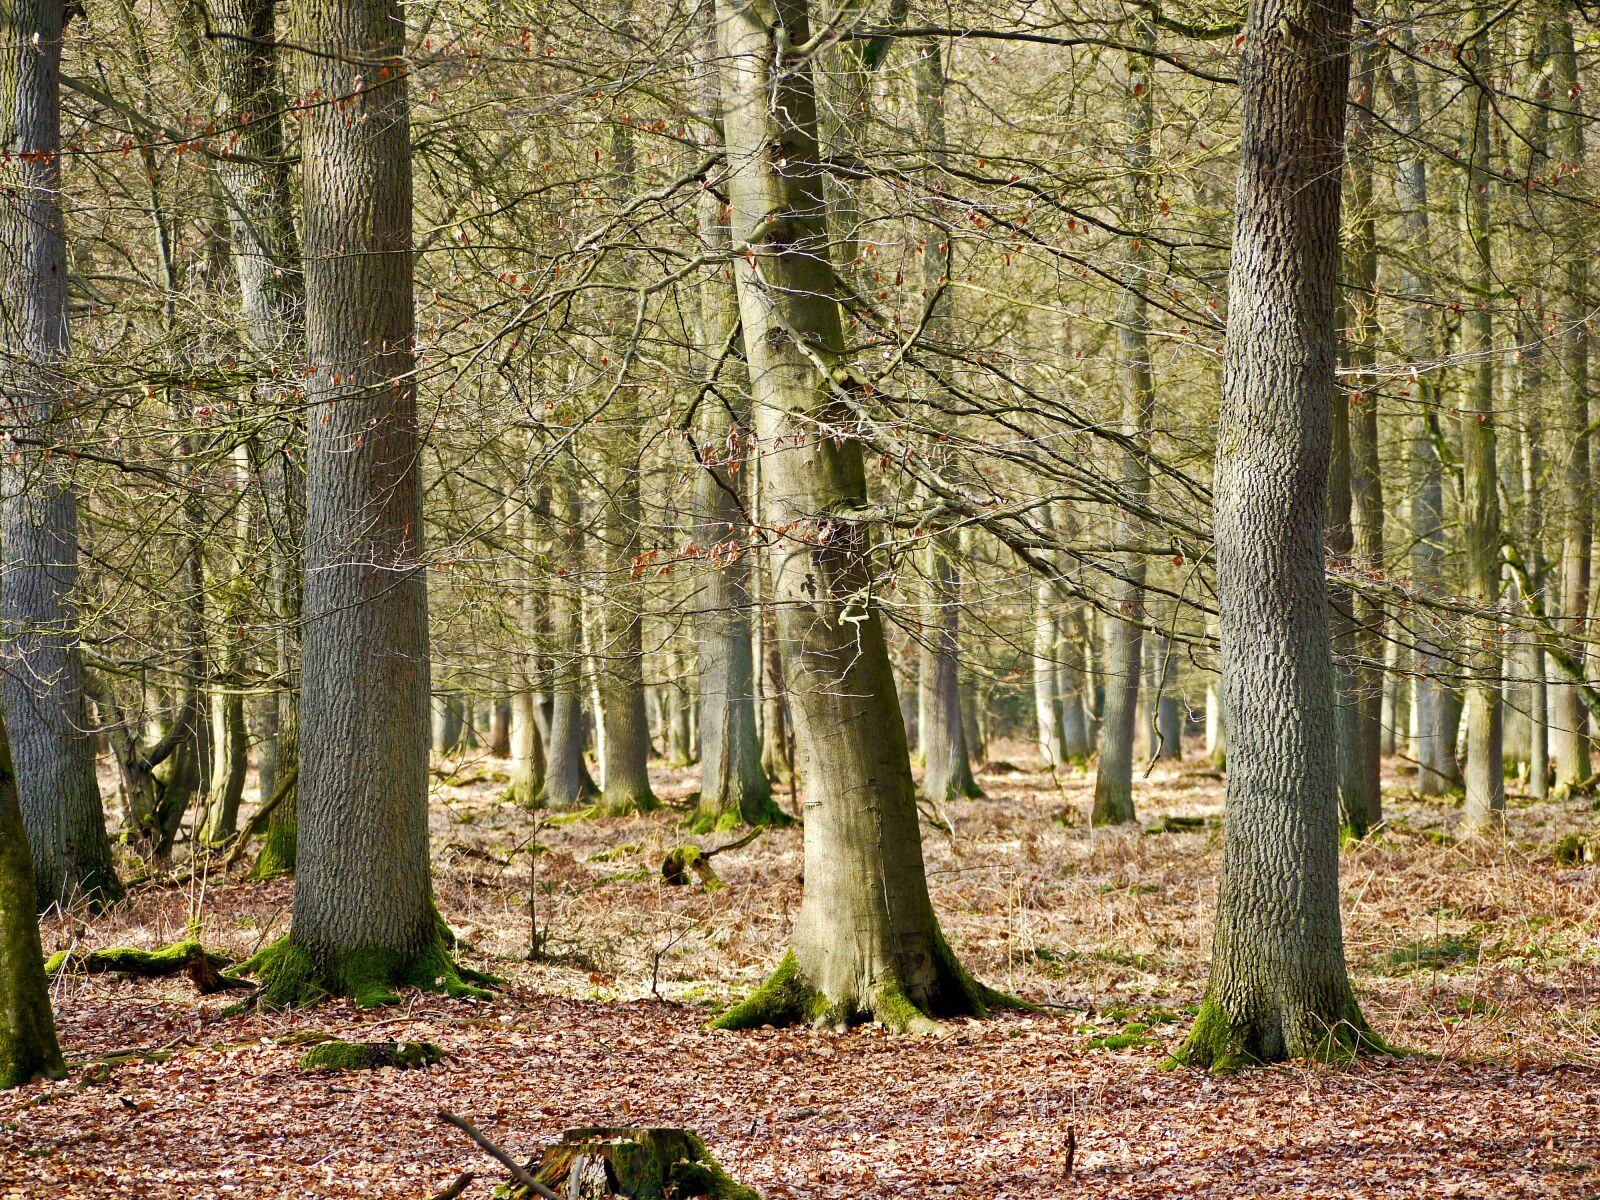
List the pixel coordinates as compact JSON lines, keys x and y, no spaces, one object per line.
{"x":1279,"y":987}
{"x":28,"y":1046}
{"x":1569,"y":722}
{"x":1113,"y":783}
{"x":1048,"y":718}
{"x":567,"y":782}
{"x":1361,"y":758}
{"x":1480,"y":499}
{"x":734,"y":786}
{"x":42,"y":689}
{"x":1432,"y":723}
{"x":364,"y":917}
{"x":866,"y":943}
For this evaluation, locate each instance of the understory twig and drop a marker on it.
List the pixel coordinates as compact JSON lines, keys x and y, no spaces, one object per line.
{"x":499,"y":1155}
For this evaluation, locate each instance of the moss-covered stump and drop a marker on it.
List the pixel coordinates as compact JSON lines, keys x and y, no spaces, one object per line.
{"x":370,"y":1056}
{"x":639,"y":1164}
{"x":1575,"y":850}
{"x":208,"y":972}
{"x":679,"y":862}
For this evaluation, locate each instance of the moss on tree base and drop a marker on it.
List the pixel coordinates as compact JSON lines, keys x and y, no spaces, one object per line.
{"x":1219,"y":1044}
{"x":640,"y":1164}
{"x":370,"y":1056}
{"x":627,"y":804}
{"x":291,"y":978}
{"x":279,"y":846}
{"x":734,"y":814}
{"x":787,"y":999}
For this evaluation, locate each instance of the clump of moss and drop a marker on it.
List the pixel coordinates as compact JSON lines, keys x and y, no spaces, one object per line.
{"x":1575,"y":849}
{"x":641,"y":1164}
{"x":370,"y":1056}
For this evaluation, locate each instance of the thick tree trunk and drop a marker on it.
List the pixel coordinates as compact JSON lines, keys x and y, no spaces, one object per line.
{"x":364,"y":917}
{"x":1278,"y":986}
{"x":27,"y":1029}
{"x":866,"y":943}
{"x":1485,"y":773}
{"x":42,"y":689}
{"x":1113,"y":783}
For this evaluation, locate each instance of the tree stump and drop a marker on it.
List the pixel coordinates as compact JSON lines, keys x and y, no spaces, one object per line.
{"x":640,"y":1164}
{"x":369,"y":1056}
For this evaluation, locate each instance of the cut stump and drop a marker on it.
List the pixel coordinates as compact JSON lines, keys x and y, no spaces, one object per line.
{"x":639,"y":1164}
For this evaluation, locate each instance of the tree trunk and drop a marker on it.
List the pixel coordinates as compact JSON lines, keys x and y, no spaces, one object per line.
{"x":1433,"y":743}
{"x":1048,"y":718}
{"x":1279,"y":987}
{"x":27,"y":1028}
{"x":1568,"y":721}
{"x":1485,"y":774}
{"x":567,"y":782}
{"x":1113,"y":783}
{"x":42,"y":689}
{"x":364,"y":917}
{"x":866,"y":943}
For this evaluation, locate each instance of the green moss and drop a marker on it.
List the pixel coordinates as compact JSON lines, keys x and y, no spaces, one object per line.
{"x":370,"y":1056}
{"x":615,"y":852}
{"x":1121,"y":1041}
{"x":279,"y":848}
{"x":1575,"y":849}
{"x":628,"y":804}
{"x":1454,"y":950}
{"x":290,"y":978}
{"x":782,"y":1000}
{"x":1217,"y":1044}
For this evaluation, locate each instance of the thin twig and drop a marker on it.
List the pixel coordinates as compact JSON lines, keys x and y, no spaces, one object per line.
{"x":499,"y":1155}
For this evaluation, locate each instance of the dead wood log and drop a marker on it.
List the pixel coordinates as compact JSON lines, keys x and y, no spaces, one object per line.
{"x":207,"y":971}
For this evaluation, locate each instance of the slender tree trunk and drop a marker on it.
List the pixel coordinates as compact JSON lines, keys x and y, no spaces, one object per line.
{"x":364,"y":917}
{"x":1278,"y":986}
{"x":27,"y":1028}
{"x":567,"y":782}
{"x":42,"y":688}
{"x":866,"y":943}
{"x":1433,"y":744}
{"x":1113,"y":784}
{"x":1485,"y":778}
{"x":1568,"y":720}
{"x":1048,"y":719}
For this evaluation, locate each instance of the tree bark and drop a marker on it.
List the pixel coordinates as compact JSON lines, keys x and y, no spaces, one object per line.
{"x":1279,"y":986}
{"x":1485,"y":773}
{"x":28,"y":1045}
{"x":364,"y":917}
{"x":866,"y":943}
{"x":567,"y":782}
{"x":42,"y":691}
{"x":1113,"y":783}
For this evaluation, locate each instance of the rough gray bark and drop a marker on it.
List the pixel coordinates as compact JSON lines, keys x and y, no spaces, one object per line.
{"x":1480,"y":498}
{"x":1113,"y":782}
{"x":42,"y":691}
{"x":1278,"y":985}
{"x":364,"y":917}
{"x":27,"y":1028}
{"x":866,"y":943}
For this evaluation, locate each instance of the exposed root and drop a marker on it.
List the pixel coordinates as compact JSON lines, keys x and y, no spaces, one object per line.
{"x":1223,"y":1046}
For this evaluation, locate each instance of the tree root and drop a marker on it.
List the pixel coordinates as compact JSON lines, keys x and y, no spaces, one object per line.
{"x":292,"y":978}
{"x":208,"y":972}
{"x":1223,"y":1046}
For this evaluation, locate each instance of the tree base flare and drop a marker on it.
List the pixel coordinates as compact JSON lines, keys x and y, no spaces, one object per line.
{"x":291,"y":978}
{"x":787,"y":999}
{"x":1219,"y":1044}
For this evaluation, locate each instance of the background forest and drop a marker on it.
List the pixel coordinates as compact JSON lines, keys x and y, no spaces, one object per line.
{"x":527,"y":528}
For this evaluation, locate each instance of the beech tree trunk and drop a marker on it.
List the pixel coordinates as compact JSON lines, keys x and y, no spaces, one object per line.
{"x":1485,"y":773}
{"x":1279,"y":986}
{"x":567,"y":782}
{"x":1113,"y":782}
{"x":866,"y":943}
{"x":1569,"y":740}
{"x":27,"y":1028}
{"x":1048,"y":716}
{"x":42,"y":690}
{"x":364,"y":917}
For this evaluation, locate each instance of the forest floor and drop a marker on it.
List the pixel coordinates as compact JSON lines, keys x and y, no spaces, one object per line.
{"x":1482,"y":961}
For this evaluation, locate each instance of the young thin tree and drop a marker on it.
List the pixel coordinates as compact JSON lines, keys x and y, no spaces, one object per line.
{"x":866,"y":943}
{"x":364,"y":917}
{"x":1279,"y":987}
{"x":42,"y":690}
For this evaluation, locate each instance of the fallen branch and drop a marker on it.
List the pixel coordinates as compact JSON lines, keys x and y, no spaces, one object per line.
{"x":499,"y":1155}
{"x":679,"y":862}
{"x":208,"y":972}
{"x":456,"y":1188}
